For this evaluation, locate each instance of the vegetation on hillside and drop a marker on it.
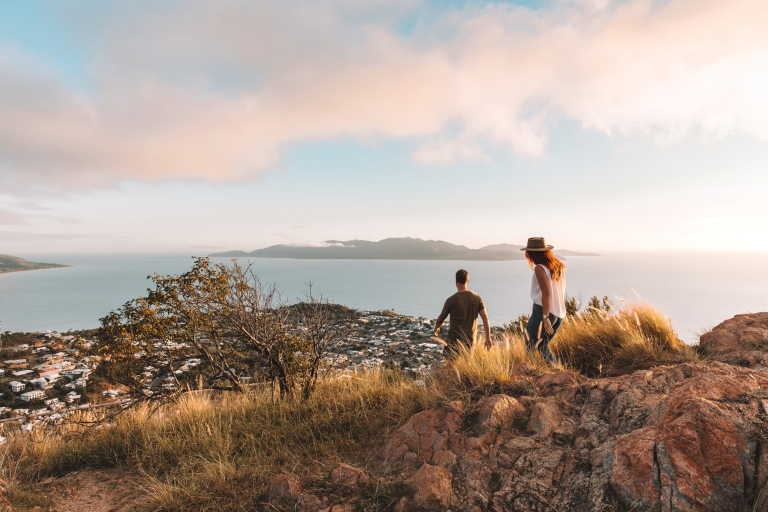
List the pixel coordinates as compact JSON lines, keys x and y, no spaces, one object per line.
{"x":16,"y":264}
{"x":597,"y":341}
{"x":229,"y":325}
{"x":217,"y":450}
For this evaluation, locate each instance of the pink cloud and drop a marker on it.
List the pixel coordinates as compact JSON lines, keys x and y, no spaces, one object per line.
{"x":318,"y":70}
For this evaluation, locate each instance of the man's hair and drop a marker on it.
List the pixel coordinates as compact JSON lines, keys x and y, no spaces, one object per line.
{"x":462,"y":276}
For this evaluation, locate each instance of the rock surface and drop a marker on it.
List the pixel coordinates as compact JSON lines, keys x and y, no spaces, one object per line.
{"x":742,"y":340}
{"x":284,"y":487}
{"x":682,"y":437}
{"x":349,"y":476}
{"x":432,"y":486}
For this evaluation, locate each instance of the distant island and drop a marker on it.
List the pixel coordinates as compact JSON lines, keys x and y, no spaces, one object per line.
{"x":15,"y":264}
{"x":393,"y":249}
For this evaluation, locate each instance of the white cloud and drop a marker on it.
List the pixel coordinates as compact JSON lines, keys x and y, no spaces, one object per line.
{"x":198,"y":91}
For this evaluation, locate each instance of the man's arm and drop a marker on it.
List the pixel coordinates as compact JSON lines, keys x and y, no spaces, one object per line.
{"x":442,"y":317}
{"x":546,"y":297}
{"x":486,"y":327}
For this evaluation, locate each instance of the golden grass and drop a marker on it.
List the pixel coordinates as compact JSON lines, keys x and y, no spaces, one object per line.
{"x":217,"y":453}
{"x":596,"y":342}
{"x":478,"y":371}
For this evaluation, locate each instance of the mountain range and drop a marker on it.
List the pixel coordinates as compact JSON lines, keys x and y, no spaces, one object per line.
{"x":393,"y":249}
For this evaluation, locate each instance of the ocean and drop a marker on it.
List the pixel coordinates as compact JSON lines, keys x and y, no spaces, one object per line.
{"x":696,"y":290}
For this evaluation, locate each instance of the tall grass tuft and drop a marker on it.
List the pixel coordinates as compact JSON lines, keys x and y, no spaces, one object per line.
{"x":597,"y":342}
{"x":478,"y":371}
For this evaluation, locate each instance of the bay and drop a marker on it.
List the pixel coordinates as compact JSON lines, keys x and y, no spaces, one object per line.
{"x":697,"y":290}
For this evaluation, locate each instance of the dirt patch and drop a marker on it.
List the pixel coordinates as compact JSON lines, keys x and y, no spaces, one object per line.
{"x":88,"y":490}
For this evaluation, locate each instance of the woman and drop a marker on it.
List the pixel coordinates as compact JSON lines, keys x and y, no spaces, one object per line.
{"x":548,"y":294}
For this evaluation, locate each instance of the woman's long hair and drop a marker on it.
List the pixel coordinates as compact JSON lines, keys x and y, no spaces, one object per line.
{"x":549,"y":260}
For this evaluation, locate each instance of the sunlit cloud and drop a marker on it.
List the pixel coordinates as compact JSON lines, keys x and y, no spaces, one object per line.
{"x":197,"y":91}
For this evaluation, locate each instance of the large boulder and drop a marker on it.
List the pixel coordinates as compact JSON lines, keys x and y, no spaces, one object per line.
{"x":495,"y":412}
{"x":701,"y":456}
{"x":742,"y":340}
{"x":423,"y":435}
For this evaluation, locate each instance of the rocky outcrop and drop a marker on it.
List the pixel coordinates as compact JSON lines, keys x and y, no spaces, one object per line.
{"x":432,"y":488}
{"x":684,"y":437}
{"x":424,"y":435}
{"x":700,"y":454}
{"x":742,"y":340}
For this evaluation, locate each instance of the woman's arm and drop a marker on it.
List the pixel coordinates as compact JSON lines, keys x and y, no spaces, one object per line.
{"x":546,"y":297}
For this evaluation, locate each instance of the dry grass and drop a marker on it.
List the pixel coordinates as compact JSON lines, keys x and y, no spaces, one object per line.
{"x":597,"y":342}
{"x":478,"y":371}
{"x":217,"y":453}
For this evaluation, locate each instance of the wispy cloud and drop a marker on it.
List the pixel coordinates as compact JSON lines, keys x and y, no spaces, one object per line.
{"x":10,"y":218}
{"x":216,"y":92}
{"x":6,"y":236}
{"x":206,"y":246}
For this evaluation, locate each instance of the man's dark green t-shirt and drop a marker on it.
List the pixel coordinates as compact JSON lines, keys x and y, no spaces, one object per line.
{"x":463,"y":308}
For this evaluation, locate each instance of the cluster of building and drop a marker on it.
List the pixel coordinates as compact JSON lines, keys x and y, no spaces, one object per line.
{"x":48,"y":378}
{"x":381,"y":339}
{"x":44,"y":378}
{"x":390,"y":340}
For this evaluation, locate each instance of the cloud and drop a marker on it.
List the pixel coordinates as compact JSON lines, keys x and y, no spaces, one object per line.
{"x":10,"y":218}
{"x":6,"y":236}
{"x":27,"y":212}
{"x":217,"y":92}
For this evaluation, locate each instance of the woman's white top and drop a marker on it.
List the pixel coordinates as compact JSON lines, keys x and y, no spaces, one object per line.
{"x":557,"y":288}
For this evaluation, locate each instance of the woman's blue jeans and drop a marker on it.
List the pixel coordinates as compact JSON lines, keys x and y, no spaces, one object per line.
{"x":535,"y":332}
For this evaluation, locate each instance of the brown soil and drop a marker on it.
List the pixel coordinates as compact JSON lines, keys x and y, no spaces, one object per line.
{"x":90,"y":490}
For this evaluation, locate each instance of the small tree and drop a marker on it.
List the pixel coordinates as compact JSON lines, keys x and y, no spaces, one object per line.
{"x":214,"y":325}
{"x":572,"y":305}
{"x":595,"y":306}
{"x":324,"y":326}
{"x":518,"y":325}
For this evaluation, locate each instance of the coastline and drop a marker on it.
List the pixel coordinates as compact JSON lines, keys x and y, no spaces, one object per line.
{"x":52,"y":266}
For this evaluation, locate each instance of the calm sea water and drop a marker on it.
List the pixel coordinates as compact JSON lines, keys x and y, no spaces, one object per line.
{"x":697,"y":290}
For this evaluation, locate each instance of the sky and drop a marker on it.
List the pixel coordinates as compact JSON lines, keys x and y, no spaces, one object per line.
{"x":196,"y":126}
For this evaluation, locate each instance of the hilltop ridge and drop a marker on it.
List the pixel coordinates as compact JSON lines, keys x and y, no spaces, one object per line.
{"x":393,"y":249}
{"x":499,"y":431}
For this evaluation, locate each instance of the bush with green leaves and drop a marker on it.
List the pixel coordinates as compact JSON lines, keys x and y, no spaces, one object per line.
{"x":217,"y":327}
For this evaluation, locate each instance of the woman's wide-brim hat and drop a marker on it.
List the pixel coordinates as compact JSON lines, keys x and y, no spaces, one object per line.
{"x":537,"y":243}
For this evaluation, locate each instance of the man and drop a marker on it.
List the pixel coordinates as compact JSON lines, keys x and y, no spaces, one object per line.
{"x":463,"y":306}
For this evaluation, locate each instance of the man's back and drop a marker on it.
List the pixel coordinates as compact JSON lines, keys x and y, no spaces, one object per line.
{"x":463,"y":308}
